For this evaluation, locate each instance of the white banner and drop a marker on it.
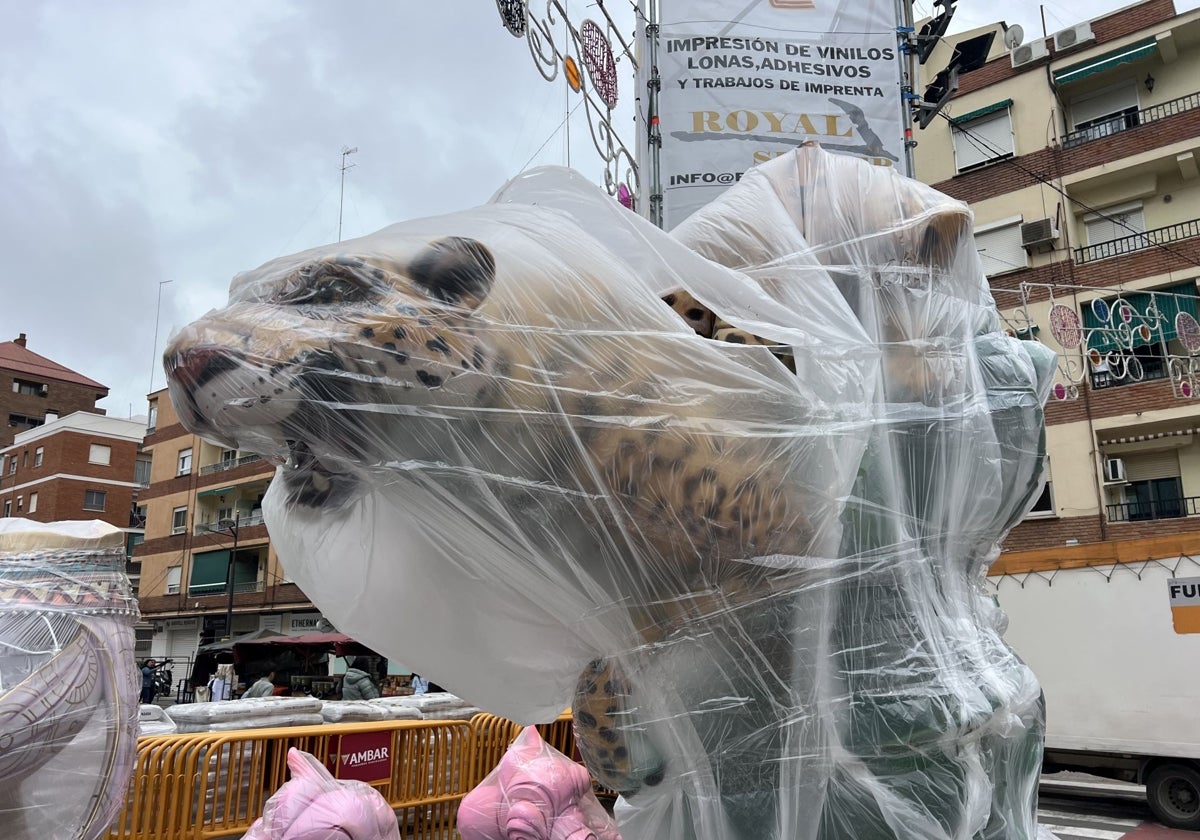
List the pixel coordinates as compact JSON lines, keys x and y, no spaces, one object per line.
{"x":743,"y":81}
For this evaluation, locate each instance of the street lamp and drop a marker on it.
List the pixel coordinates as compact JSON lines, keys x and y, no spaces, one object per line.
{"x":232,"y":525}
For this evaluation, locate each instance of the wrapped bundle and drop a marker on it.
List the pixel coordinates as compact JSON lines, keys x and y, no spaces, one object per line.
{"x":743,"y":539}
{"x":254,"y":713}
{"x":68,"y":685}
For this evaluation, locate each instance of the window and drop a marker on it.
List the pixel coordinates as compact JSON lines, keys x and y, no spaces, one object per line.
{"x":1114,"y":223}
{"x":7,"y":507}
{"x":30,"y":389}
{"x":1103,"y":113}
{"x":37,"y":456}
{"x":22,"y":421}
{"x":152,"y":422}
{"x":20,"y":503}
{"x":174,"y":576}
{"x":179,"y":520}
{"x":137,"y":516}
{"x":185,"y":461}
{"x":98,"y":453}
{"x":999,"y":247}
{"x":1043,"y":508}
{"x":25,"y":459}
{"x":12,"y":463}
{"x":228,"y":457}
{"x":94,"y":499}
{"x":33,"y":502}
{"x":141,"y":471}
{"x":982,"y":140}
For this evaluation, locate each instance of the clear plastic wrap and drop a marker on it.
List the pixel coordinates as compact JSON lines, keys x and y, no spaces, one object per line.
{"x":69,"y":687}
{"x":752,"y":566}
{"x":534,"y":793}
{"x":312,"y":805}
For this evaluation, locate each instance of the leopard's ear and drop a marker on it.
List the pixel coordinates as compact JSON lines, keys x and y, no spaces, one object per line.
{"x":455,"y":270}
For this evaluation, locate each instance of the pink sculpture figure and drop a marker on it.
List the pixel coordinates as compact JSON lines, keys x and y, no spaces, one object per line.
{"x":535,"y":793}
{"x":313,"y":805}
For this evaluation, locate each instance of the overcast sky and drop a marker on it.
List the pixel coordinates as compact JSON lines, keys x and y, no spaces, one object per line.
{"x":144,"y":142}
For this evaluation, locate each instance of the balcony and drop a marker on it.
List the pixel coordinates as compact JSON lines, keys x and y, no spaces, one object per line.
{"x":1157,"y":509}
{"x":229,"y":464}
{"x":1138,"y":242}
{"x":225,"y":525}
{"x":1127,"y":120}
{"x":205,"y":590}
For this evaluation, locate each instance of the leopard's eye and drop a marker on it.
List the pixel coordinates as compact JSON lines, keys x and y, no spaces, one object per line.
{"x":326,"y":285}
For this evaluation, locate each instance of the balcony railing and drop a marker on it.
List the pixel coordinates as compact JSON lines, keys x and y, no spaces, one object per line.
{"x":1131,"y":119}
{"x":220,"y":588}
{"x":219,"y":528}
{"x":1140,"y":369}
{"x":1138,"y":241}
{"x":229,"y":464}
{"x":1159,"y":509}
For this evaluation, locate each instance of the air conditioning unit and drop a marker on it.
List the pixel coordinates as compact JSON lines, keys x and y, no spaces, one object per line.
{"x":1073,"y":37}
{"x":1038,"y":232}
{"x":1114,"y":470}
{"x":44,"y":390}
{"x":1029,"y":53}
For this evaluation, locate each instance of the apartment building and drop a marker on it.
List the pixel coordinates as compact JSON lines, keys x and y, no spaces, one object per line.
{"x":205,"y":542}
{"x":1078,"y":153}
{"x":82,"y":466}
{"x":34,"y":389}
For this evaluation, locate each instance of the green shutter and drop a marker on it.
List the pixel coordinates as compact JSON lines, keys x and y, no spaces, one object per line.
{"x":1105,"y":62}
{"x":245,"y":570}
{"x":980,"y":112}
{"x":209,"y":572}
{"x":1170,"y":302}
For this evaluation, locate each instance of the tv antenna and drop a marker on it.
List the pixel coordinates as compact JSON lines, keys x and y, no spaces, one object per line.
{"x":346,"y":152}
{"x":1013,"y":36}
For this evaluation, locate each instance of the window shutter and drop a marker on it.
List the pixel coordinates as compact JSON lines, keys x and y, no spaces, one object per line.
{"x":1114,"y":224}
{"x":1000,"y":249}
{"x":1103,"y":104}
{"x":1146,"y":466}
{"x":982,"y":140}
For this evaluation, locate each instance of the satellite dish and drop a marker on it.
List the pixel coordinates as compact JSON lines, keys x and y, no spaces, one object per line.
{"x":1013,"y":36}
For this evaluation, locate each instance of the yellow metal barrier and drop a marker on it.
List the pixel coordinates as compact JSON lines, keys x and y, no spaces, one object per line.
{"x":211,"y":785}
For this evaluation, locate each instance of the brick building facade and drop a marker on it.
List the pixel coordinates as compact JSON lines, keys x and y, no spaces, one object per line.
{"x":33,"y":388}
{"x":1078,"y":153}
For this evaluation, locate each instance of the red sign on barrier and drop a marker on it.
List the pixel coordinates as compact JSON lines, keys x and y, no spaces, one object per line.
{"x":364,"y":756}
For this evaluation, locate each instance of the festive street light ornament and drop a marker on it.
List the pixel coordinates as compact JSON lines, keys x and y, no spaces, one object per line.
{"x":571,"y":71}
{"x":513,"y":14}
{"x":1065,"y":326}
{"x":1188,"y":331}
{"x":598,"y":59}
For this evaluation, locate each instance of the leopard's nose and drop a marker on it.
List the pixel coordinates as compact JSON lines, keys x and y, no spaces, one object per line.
{"x":194,"y":366}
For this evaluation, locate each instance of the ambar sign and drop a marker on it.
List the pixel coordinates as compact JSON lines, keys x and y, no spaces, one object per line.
{"x":1185,"y":604}
{"x":364,"y":757}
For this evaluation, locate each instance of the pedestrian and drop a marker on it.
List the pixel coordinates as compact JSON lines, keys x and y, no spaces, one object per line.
{"x":420,"y":685}
{"x":220,"y":687}
{"x":357,"y":683}
{"x":264,"y":686}
{"x":148,"y":669}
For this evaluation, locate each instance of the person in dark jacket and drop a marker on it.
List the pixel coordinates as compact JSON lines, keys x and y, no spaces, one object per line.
{"x":148,"y":670}
{"x":357,"y":684}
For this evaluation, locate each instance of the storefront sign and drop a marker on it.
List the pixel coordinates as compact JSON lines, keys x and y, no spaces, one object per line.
{"x":300,"y":623}
{"x":1185,"y":604}
{"x":182,"y":623}
{"x":741,"y":91}
{"x":364,"y":757}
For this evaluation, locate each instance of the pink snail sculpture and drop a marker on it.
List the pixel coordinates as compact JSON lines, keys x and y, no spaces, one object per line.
{"x":535,"y":793}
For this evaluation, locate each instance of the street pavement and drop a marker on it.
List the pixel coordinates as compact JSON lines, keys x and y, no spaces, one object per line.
{"x":1075,"y":809}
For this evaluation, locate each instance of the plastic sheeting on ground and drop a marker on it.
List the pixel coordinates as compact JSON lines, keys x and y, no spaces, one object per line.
{"x":753,"y":566}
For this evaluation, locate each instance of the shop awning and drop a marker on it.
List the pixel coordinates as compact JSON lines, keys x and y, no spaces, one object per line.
{"x":1108,"y":61}
{"x":219,"y":491}
{"x":981,"y":112}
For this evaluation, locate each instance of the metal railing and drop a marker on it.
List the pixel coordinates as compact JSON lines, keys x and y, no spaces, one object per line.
{"x":203,"y":528}
{"x":207,"y":589}
{"x":214,"y":785}
{"x":1138,"y":241}
{"x":1131,"y":119}
{"x":229,"y":464}
{"x":1157,"y":509}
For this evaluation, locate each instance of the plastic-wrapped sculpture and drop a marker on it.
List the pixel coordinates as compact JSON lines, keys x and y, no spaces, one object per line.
{"x":505,"y":460}
{"x":312,"y":805}
{"x":68,"y":685}
{"x":535,"y":793}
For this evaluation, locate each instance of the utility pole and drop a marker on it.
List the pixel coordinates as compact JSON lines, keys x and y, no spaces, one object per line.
{"x":346,"y":152}
{"x":229,"y":575}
